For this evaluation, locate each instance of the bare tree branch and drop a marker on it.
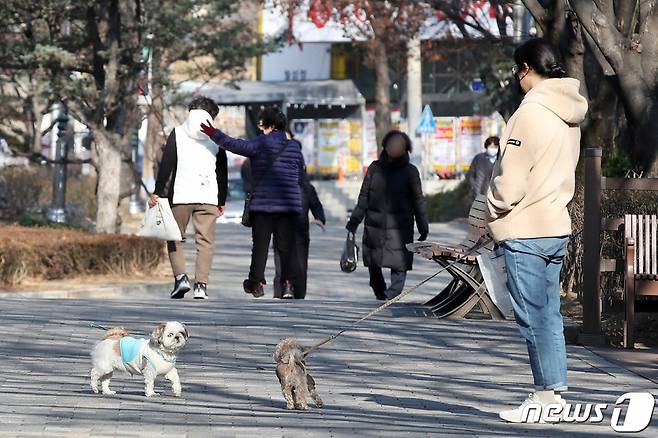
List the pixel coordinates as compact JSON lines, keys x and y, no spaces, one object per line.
{"x":539,"y":13}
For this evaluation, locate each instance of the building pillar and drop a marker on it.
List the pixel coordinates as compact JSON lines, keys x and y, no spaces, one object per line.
{"x":414,"y":85}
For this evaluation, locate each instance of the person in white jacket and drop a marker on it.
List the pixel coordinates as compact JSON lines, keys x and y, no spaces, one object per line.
{"x":193,"y":176}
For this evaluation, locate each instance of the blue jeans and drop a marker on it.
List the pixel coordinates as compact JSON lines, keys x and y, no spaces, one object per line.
{"x":533,"y":279}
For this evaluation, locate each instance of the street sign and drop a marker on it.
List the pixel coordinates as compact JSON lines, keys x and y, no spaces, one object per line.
{"x":427,"y":124}
{"x":477,"y":86}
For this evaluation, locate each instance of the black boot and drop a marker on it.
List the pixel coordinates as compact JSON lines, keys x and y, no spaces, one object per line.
{"x":253,"y":288}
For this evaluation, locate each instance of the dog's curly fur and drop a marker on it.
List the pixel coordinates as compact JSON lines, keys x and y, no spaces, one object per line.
{"x":293,"y":375}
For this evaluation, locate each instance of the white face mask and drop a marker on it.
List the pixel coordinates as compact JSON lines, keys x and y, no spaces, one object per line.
{"x":492,"y":151}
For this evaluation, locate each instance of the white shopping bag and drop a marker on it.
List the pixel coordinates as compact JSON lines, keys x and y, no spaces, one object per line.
{"x":492,"y":266}
{"x":159,"y":223}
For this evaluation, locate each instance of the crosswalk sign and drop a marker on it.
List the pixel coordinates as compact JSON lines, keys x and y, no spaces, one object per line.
{"x":427,"y":124}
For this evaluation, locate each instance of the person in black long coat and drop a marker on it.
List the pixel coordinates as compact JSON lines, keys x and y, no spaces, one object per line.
{"x":391,"y":198}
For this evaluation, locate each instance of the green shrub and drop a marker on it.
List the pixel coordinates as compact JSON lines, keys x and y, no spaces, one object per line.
{"x":618,"y":165}
{"x":453,"y":204}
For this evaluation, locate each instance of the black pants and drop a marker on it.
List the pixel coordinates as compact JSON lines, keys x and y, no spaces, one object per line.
{"x":378,"y":284}
{"x":282,"y":225}
{"x":302,"y":242}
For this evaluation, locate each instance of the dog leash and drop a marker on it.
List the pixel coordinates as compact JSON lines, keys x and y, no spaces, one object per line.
{"x":98,"y":326}
{"x":94,"y":325}
{"x":482,"y":241}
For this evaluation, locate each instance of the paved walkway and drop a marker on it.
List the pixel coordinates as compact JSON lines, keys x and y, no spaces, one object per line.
{"x":399,"y":374}
{"x":326,"y":281}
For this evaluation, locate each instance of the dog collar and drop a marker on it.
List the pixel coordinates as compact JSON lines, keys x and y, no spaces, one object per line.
{"x":171,"y":361}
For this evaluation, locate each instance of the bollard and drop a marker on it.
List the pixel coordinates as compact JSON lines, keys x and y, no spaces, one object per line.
{"x":592,"y":249}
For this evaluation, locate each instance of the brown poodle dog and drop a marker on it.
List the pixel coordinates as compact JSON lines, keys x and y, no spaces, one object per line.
{"x":293,"y":375}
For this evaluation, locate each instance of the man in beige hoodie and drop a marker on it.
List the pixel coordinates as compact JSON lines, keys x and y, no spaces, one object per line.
{"x":532,"y":184}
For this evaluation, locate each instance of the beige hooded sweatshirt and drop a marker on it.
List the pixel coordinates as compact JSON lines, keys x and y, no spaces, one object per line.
{"x":534,"y":179}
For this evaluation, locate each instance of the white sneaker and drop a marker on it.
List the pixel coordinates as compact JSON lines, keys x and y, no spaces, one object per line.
{"x":532,"y":409}
{"x":200,"y":291}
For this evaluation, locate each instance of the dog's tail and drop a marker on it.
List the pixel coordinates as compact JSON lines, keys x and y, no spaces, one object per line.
{"x":116,"y":333}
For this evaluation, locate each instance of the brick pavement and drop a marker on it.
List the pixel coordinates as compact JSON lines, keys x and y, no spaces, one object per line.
{"x":400,"y":374}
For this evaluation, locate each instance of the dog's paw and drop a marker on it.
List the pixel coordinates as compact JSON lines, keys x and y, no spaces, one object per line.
{"x":177,"y":393}
{"x":319,"y":404}
{"x":290,"y":407}
{"x":109,"y":392}
{"x":95,"y":390}
{"x":303,"y":408}
{"x":151,"y":394}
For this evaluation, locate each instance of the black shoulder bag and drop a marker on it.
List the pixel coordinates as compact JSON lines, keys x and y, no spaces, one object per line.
{"x":246,"y":217}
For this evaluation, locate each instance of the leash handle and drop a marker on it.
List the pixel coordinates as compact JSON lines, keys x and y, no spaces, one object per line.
{"x":483,"y":240}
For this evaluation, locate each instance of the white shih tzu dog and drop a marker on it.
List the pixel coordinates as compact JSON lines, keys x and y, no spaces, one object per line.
{"x":149,"y":358}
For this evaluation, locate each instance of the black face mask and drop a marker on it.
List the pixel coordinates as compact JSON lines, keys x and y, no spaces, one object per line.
{"x":517,"y":81}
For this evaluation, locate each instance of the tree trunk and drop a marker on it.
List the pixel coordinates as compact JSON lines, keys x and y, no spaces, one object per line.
{"x":154,"y":137}
{"x":382,"y":91}
{"x":37,"y":118}
{"x":155,"y":119}
{"x":108,"y":164}
{"x":647,"y":139}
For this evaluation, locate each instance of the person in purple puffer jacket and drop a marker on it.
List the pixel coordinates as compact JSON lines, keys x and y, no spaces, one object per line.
{"x":277,"y":167}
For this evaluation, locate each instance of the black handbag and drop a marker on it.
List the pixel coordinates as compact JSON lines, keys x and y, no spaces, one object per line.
{"x":246,"y":216}
{"x":350,"y":257}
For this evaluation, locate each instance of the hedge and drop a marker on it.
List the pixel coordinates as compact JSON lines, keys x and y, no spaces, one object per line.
{"x":46,"y":253}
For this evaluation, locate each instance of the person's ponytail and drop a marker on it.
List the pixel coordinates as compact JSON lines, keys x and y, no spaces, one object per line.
{"x":542,"y":57}
{"x":556,"y":71}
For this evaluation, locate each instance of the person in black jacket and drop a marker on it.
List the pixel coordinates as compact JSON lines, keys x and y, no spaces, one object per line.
{"x":482,"y":166}
{"x":391,"y":198}
{"x":310,"y":202}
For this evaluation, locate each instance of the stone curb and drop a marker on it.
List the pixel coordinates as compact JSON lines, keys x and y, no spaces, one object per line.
{"x":107,"y":292}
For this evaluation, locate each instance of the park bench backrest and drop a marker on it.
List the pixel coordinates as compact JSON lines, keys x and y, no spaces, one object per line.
{"x":477,"y":222}
{"x":642,"y":228}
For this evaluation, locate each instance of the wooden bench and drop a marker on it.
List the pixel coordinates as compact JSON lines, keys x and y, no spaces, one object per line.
{"x":467,"y":288}
{"x":640,"y":268}
{"x":637,"y":281}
